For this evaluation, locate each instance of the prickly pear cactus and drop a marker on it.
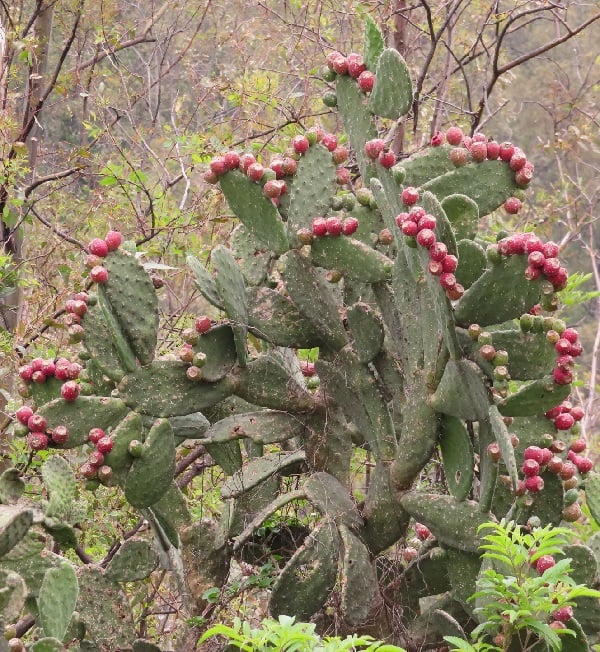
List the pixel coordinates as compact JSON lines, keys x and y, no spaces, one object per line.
{"x":433,"y":345}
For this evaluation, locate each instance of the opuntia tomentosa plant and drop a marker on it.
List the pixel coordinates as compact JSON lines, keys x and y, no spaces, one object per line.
{"x":432,"y":345}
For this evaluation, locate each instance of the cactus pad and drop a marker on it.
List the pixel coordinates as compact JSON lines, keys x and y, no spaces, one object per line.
{"x":307,"y":579}
{"x":392,"y":93}
{"x":457,"y":455}
{"x":57,"y":600}
{"x":258,"y":213}
{"x":134,"y":560}
{"x":150,"y":475}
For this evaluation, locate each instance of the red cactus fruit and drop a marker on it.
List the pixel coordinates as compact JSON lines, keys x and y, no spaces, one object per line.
{"x":374,"y":147}
{"x":105,"y":445}
{"x":319,"y":227}
{"x":37,"y":441}
{"x":410,"y":196}
{"x":23,"y":414}
{"x":543,"y":563}
{"x":99,"y":274}
{"x":60,"y":434}
{"x":454,"y":136}
{"x":534,"y":483}
{"x":366,"y":81}
{"x":98,"y":247}
{"x":70,"y":390}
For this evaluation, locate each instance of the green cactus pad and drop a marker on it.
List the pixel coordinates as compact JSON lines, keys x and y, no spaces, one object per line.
{"x":189,"y":426}
{"x":358,"y":122}
{"x":453,"y":522}
{"x":15,"y":522}
{"x":47,"y":644}
{"x":472,"y":262}
{"x":264,"y":427}
{"x":463,"y":213}
{"x":311,"y":189}
{"x":63,"y":534}
{"x":392,"y":94}
{"x":108,"y":623}
{"x":489,"y":489}
{"x":530,"y":355}
{"x":161,"y":389}
{"x":314,"y":297}
{"x":119,"y":459}
{"x":257,"y":212}
{"x":367,"y":331}
{"x":227,"y":454}
{"x":488,"y":184}
{"x":171,"y":513}
{"x":12,"y":595}
{"x":457,"y":456}
{"x":505,"y":279}
{"x":370,"y":224}
{"x":352,"y":258}
{"x":252,"y":257}
{"x":385,"y":522}
{"x":26,"y":559}
{"x":218,"y":344}
{"x":463,"y":570}
{"x":59,"y":481}
{"x":536,"y":397}
{"x":272,"y":317}
{"x":102,"y":348}
{"x":332,"y":500}
{"x":462,"y":392}
{"x":267,"y":383}
{"x":360,"y":589}
{"x":44,"y":392}
{"x":12,"y":486}
{"x":352,"y":385}
{"x":425,"y":165}
{"x":231,"y":287}
{"x":583,"y":563}
{"x":374,"y":43}
{"x":258,"y":470}
{"x":592,"y":495}
{"x":443,"y":227}
{"x":577,"y":643}
{"x":205,"y":282}
{"x":57,"y":599}
{"x":133,"y":301}
{"x":150,"y":475}
{"x":140,"y":645}
{"x":82,"y":415}
{"x":133,"y":561}
{"x":502,"y":437}
{"x":307,"y":579}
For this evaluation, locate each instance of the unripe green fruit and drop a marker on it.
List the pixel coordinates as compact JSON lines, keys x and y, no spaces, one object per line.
{"x":399,"y":174}
{"x":329,"y":99}
{"x":571,"y":496}
{"x":364,"y":196}
{"x":526,"y":322}
{"x":135,"y":448}
{"x":337,"y":202}
{"x":190,"y":336}
{"x":199,"y":359}
{"x":328,"y":74}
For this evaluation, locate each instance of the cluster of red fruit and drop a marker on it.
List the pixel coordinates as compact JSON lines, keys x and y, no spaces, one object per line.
{"x":98,"y":249}
{"x":352,"y":65}
{"x":420,"y":225}
{"x":39,"y":435}
{"x":75,"y":309}
{"x":541,"y":258}
{"x":95,"y":467}
{"x":565,"y":341}
{"x":564,"y":417}
{"x":376,"y":150}
{"x":39,"y":370}
{"x":478,"y":149}
{"x":273,"y":176}
{"x":196,"y":359}
{"x":333,"y":225}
